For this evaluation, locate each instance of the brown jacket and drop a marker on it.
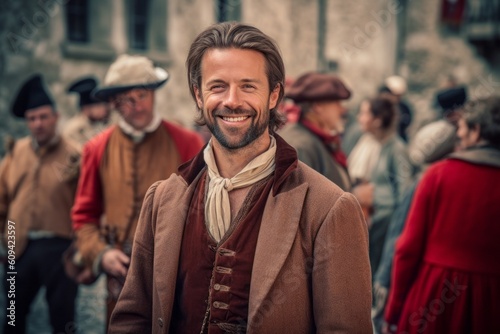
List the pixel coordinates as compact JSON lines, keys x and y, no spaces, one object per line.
{"x":311,"y":270}
{"x":37,"y":188}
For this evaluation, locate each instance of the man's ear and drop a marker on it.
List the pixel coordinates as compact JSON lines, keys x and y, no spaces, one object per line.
{"x":475,"y":133}
{"x":197,"y":94}
{"x":275,"y":94}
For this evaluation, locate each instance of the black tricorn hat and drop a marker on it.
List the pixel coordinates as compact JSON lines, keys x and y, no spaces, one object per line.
{"x":452,"y":98}
{"x":33,"y":94}
{"x":84,"y":87}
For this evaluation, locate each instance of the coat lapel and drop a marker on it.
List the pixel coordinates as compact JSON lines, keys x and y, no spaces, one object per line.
{"x":277,"y":233}
{"x":170,"y":222}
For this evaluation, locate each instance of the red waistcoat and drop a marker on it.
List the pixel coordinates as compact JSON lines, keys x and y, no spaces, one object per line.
{"x":213,"y":282}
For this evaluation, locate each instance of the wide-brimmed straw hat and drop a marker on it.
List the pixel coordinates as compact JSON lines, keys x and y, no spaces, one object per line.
{"x":129,"y":72}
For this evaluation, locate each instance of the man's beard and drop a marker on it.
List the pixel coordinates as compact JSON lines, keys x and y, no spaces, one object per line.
{"x":252,"y":133}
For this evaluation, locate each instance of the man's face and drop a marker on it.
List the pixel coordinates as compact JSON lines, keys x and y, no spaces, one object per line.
{"x":332,"y":116}
{"x":468,"y":137}
{"x":234,"y":96}
{"x":135,"y":106}
{"x":42,"y":123}
{"x":96,"y":111}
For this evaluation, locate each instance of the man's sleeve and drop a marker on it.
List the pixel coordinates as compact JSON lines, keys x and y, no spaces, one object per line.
{"x":133,"y":311}
{"x":341,"y":273}
{"x":87,"y":209}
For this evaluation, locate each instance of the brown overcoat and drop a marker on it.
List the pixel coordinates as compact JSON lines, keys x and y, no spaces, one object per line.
{"x":311,"y":271}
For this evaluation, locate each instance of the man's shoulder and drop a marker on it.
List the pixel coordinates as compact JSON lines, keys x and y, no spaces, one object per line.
{"x":99,"y":140}
{"x":22,"y":144}
{"x":320,"y":188}
{"x":298,"y":136}
{"x":292,"y":129}
{"x":70,"y":146}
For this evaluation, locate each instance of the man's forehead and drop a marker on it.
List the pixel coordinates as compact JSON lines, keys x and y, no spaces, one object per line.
{"x":42,"y":110}
{"x":132,"y":92}
{"x":217,"y":62}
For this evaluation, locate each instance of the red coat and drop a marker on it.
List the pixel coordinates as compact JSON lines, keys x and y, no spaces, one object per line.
{"x":90,"y":201}
{"x":446,"y":275}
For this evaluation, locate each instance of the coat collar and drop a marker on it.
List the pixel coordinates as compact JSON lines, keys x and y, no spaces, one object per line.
{"x":480,"y":155}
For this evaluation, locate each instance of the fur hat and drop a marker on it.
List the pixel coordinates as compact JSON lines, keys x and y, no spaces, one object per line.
{"x":312,"y":87}
{"x":129,"y":72}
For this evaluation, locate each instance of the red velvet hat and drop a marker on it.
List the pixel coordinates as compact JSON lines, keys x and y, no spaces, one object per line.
{"x":311,"y":87}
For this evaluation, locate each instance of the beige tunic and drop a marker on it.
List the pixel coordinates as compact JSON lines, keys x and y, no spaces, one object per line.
{"x":37,"y":188}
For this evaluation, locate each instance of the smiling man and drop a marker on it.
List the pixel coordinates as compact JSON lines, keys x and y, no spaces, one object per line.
{"x":245,"y":238}
{"x":120,"y":164}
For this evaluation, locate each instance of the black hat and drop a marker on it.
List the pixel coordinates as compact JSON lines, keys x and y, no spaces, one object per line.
{"x":33,"y":94}
{"x":452,"y":98}
{"x":84,"y":87}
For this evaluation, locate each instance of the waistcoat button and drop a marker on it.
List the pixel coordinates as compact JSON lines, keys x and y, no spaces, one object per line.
{"x":160,"y":322}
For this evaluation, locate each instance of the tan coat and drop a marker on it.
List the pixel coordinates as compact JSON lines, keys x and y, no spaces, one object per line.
{"x":311,"y":270}
{"x":37,"y":188}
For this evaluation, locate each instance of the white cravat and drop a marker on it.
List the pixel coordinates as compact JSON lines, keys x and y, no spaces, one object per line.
{"x":217,"y":206}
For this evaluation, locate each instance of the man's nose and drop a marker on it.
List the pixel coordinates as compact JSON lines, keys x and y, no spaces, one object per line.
{"x":37,"y":123}
{"x":232,"y":99}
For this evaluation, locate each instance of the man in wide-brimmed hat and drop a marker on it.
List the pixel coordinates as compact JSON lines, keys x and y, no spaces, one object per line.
{"x":94,"y":115}
{"x":316,"y":136}
{"x":38,"y":179}
{"x":120,"y":164}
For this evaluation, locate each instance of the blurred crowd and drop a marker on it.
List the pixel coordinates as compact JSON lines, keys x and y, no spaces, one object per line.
{"x":430,"y":200}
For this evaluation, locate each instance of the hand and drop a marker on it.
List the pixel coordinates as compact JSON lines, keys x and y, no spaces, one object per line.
{"x":364,"y":194}
{"x":115,"y":263}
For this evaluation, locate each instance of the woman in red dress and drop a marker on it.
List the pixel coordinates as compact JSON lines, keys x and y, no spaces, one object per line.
{"x":446,"y":272}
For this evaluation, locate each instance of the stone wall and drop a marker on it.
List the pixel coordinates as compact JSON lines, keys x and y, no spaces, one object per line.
{"x":359,"y":41}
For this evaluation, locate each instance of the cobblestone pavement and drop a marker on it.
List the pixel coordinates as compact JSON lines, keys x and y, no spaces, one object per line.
{"x":90,"y":310}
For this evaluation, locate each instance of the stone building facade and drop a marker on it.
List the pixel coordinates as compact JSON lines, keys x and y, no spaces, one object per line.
{"x":363,"y":41}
